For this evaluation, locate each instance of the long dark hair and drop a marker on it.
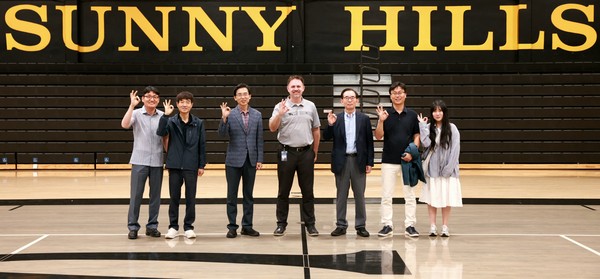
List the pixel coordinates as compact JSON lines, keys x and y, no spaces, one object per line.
{"x":446,"y":136}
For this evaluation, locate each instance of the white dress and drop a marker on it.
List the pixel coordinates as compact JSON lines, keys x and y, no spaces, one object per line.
{"x":441,"y":191}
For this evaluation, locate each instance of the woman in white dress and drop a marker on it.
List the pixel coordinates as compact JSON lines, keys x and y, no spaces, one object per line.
{"x":442,"y":189}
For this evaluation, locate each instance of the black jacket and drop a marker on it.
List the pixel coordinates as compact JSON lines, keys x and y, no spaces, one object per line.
{"x":364,"y":142}
{"x":185,"y":152}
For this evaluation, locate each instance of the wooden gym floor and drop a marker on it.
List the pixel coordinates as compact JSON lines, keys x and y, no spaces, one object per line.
{"x":516,"y":223}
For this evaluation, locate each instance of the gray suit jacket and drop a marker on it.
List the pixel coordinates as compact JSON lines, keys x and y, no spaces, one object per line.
{"x":240,"y":141}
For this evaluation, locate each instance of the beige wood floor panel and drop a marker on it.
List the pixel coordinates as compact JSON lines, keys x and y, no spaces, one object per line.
{"x":488,"y":241}
{"x":53,"y":184}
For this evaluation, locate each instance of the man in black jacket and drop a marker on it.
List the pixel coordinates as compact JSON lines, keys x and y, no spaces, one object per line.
{"x":186,"y":158}
{"x":352,"y":158}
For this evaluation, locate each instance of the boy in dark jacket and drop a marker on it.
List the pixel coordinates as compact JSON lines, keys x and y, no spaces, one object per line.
{"x":186,"y":158}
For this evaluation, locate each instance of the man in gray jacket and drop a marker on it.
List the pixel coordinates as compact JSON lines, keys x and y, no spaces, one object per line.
{"x":243,"y":126}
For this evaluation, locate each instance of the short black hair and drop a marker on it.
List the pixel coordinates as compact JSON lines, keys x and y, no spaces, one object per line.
{"x":348,"y":89}
{"x":150,"y":88}
{"x":185,"y":95}
{"x":241,"y":85}
{"x":396,"y":84}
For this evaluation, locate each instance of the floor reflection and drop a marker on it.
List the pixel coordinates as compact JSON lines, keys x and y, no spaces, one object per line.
{"x":365,"y":262}
{"x":439,"y":263}
{"x":389,"y":257}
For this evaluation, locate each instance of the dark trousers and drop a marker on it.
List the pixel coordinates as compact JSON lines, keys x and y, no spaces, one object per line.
{"x":176,"y":179}
{"x":248,"y":174}
{"x":351,"y":175}
{"x":303,"y":163}
{"x":139,"y":175}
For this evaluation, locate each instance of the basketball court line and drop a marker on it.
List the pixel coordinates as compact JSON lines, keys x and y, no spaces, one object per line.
{"x":581,"y":245}
{"x":325,"y":261}
{"x":305,"y":252}
{"x":302,"y":260}
{"x":23,"y":248}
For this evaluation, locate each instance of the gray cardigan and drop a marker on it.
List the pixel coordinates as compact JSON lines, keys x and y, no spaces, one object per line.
{"x":444,"y":161}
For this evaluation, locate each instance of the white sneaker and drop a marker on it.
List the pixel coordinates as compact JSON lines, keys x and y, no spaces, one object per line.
{"x":190,"y":234}
{"x":445,"y":232}
{"x":172,"y":233}
{"x":433,"y":231}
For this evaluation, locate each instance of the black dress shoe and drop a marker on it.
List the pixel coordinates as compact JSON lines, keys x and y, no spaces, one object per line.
{"x":312,"y":231}
{"x":279,"y":231}
{"x":362,"y":232}
{"x":132,"y":235}
{"x":231,"y":233}
{"x":250,"y":232}
{"x":152,"y":232}
{"x":338,"y":231}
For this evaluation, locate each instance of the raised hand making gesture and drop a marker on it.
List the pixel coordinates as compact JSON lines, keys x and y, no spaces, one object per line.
{"x":225,"y":111}
{"x":135,"y":99}
{"x":422,"y":119}
{"x":382,"y":113}
{"x":283,"y":109}
{"x":168,"y":107}
{"x":331,"y":118}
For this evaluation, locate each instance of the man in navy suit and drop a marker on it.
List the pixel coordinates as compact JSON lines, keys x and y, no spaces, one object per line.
{"x":352,"y":158}
{"x":243,"y":126}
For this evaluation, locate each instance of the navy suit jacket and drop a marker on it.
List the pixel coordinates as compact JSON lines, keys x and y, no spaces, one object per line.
{"x":364,"y":142}
{"x":240,"y":140}
{"x":185,"y":152}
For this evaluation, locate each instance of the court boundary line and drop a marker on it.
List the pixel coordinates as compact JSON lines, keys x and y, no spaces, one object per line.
{"x":580,"y":245}
{"x":23,"y":247}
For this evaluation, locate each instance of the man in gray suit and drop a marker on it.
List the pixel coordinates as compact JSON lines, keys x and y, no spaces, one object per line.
{"x":243,"y":126}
